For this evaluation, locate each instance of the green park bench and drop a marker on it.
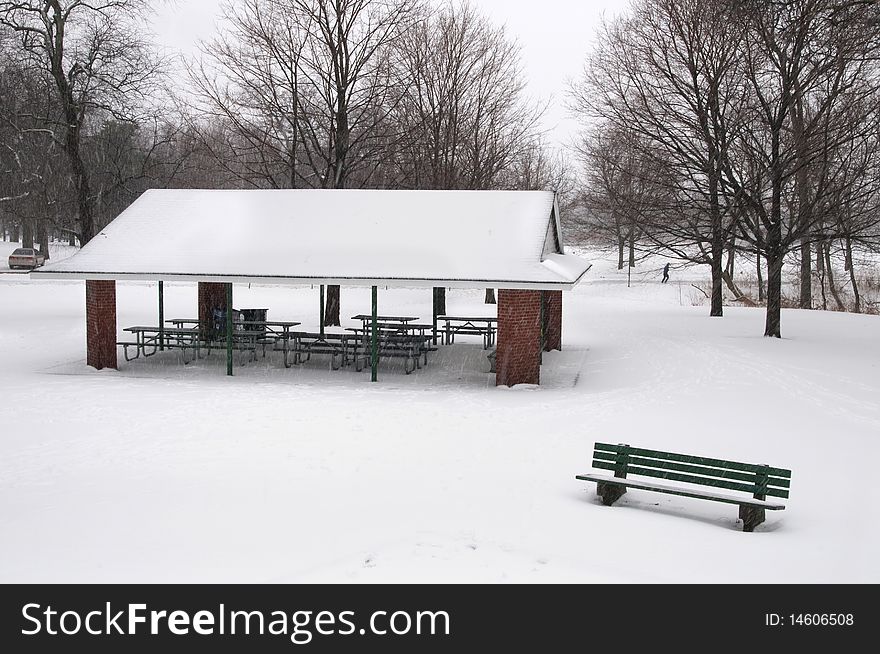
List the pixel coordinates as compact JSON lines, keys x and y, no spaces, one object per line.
{"x":759,"y":481}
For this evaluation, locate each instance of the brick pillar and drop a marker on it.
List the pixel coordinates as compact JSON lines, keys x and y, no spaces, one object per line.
{"x":212,"y":295}
{"x":518,"y":354}
{"x":552,"y":320}
{"x":101,"y":323}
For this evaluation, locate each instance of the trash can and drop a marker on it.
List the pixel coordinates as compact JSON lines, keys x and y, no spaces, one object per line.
{"x":255,"y":315}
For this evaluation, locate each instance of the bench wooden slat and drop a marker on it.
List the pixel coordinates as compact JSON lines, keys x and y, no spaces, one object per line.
{"x":691,"y":479}
{"x":674,"y":490}
{"x":698,"y":460}
{"x":705,"y":471}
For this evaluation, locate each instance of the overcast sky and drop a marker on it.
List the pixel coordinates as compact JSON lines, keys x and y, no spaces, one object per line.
{"x":555,"y":36}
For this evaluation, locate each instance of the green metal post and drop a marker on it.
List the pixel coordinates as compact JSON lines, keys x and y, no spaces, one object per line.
{"x":374,"y":339}
{"x":229,"y":329}
{"x":321,"y":311}
{"x":161,"y":317}
{"x":434,"y":312}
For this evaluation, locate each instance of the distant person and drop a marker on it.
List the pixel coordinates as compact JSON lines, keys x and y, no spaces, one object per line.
{"x":665,"y":274}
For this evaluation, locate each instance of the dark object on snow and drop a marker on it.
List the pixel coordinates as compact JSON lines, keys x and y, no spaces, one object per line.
{"x":255,"y":316}
{"x":26,"y":258}
{"x":665,"y":274}
{"x":757,"y":480}
{"x":218,"y":326}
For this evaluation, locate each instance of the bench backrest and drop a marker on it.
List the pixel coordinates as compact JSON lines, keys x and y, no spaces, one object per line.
{"x":760,"y":480}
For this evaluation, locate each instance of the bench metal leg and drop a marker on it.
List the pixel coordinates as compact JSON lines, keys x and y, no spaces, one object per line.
{"x":751,"y":516}
{"x":609,"y":493}
{"x":125,"y":352}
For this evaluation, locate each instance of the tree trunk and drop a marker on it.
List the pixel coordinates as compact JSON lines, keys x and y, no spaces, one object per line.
{"x":760,"y":277}
{"x":848,"y":258}
{"x":42,"y":237}
{"x":857,"y":302}
{"x":716,"y":310}
{"x":738,"y":295}
{"x":772,"y":326}
{"x":490,"y":296}
{"x":71,"y":239}
{"x":806,"y":296}
{"x":632,"y":251}
{"x":621,"y":246}
{"x":27,"y":234}
{"x":717,"y":248}
{"x":439,"y":300}
{"x":773,"y":249}
{"x":331,"y":306}
{"x":731,"y":251}
{"x":830,"y":273}
{"x":802,"y":186}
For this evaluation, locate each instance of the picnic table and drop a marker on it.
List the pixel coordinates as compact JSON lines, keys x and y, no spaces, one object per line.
{"x":149,"y":337}
{"x":394,"y":340}
{"x":305,"y":344}
{"x":253,"y":332}
{"x":244,"y":340}
{"x":484,"y":326}
{"x":367,"y":319}
{"x":402,"y":328}
{"x":280,"y":328}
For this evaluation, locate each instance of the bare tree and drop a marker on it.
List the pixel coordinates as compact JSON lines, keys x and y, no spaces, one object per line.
{"x":347,"y":59}
{"x":248,"y":84}
{"x":463,"y":119}
{"x":805,"y":60}
{"x":625,"y":192}
{"x":669,"y":74}
{"x":97,"y":60}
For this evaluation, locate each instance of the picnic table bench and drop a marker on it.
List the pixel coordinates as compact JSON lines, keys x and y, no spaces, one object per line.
{"x":760,"y":481}
{"x":309,"y":343}
{"x":248,"y":334}
{"x":391,"y":343}
{"x":149,"y":339}
{"x":475,"y":326}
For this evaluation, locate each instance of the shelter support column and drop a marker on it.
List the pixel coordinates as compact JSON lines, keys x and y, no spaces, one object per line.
{"x":161,"y":315}
{"x":228,"y":290}
{"x":321,"y":311}
{"x":518,"y":353}
{"x":212,"y":295}
{"x":101,"y":323}
{"x":374,"y":337}
{"x":552,"y":316}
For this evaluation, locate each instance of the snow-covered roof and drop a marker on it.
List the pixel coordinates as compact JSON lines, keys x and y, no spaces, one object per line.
{"x":470,"y":239}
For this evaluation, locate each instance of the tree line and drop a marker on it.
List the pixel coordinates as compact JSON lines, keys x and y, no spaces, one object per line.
{"x":399,"y":94}
{"x":737,"y":129}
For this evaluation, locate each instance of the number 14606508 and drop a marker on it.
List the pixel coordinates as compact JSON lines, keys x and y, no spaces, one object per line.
{"x":809,"y":620}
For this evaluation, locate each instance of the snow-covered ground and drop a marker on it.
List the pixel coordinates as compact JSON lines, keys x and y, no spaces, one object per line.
{"x":165,"y":472}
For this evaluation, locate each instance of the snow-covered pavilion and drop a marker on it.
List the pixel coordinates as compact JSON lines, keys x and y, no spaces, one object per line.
{"x":507,"y":240}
